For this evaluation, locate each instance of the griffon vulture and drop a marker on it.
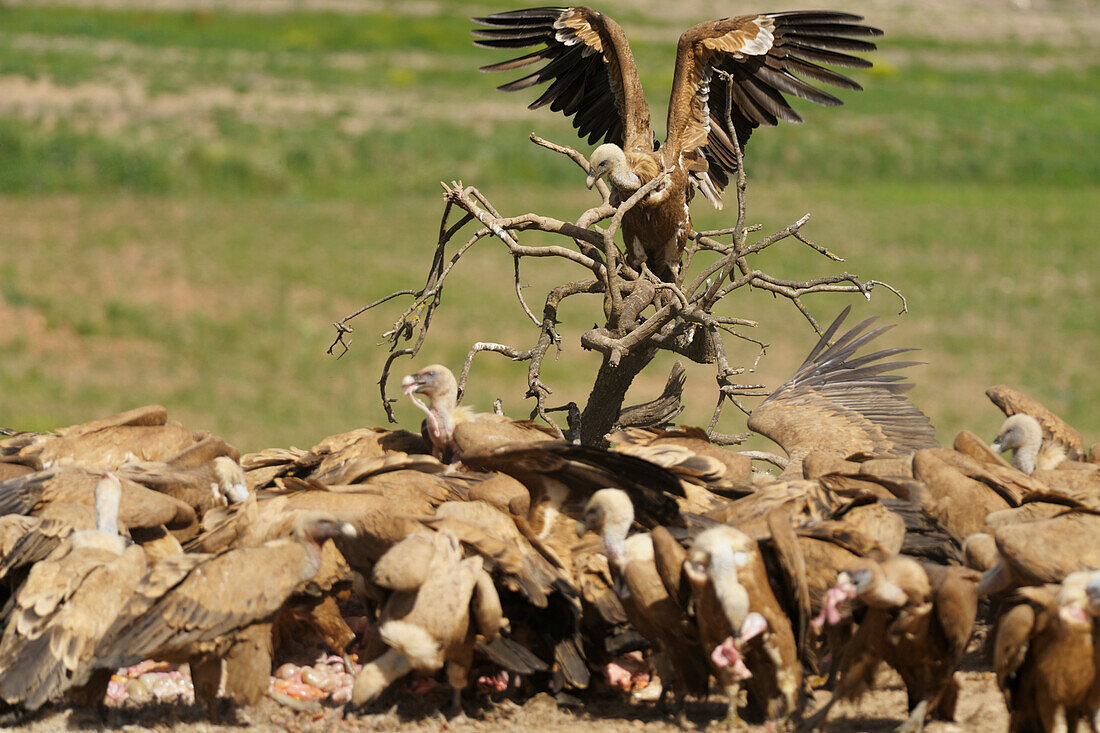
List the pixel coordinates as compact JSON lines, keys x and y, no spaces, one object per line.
{"x":593,"y":80}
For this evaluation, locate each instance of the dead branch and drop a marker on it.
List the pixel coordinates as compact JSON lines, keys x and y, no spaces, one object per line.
{"x":641,"y":313}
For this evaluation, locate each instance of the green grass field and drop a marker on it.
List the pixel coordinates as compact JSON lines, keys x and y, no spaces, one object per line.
{"x":189,"y":198}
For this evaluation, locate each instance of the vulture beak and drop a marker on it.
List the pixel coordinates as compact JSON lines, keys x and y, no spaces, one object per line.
{"x":1092,"y":590}
{"x":996,"y":446}
{"x":236,"y":493}
{"x":592,"y":178}
{"x":410,"y":382}
{"x":582,"y":529}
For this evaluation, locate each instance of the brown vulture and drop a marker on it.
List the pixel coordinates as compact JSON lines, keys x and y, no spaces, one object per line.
{"x":841,"y":403}
{"x":593,"y":80}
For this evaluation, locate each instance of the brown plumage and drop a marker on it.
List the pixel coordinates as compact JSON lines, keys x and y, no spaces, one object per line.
{"x":1044,"y":550}
{"x":707,"y":472}
{"x":425,"y":622}
{"x":1044,"y":655}
{"x":561,"y":476}
{"x":918,"y":619}
{"x":742,"y":627}
{"x":141,"y":434}
{"x":1057,"y":434}
{"x":842,"y":404}
{"x":193,"y":607}
{"x":651,"y":610}
{"x":66,"y":604}
{"x":594,"y":80}
{"x":444,"y":416}
{"x":140,"y":507}
{"x":202,"y":487}
{"x":959,"y":502}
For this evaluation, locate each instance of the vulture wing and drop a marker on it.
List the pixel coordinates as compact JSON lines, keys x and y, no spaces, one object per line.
{"x":588,"y":62}
{"x":584,"y":470}
{"x":747,"y":64}
{"x":840,"y":403}
{"x":225,"y":593}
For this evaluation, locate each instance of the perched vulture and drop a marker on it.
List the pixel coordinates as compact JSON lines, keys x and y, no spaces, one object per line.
{"x":742,"y":627}
{"x":918,"y":619}
{"x":842,"y":404}
{"x":426,"y":621}
{"x":1044,"y":655}
{"x":1058,"y":437}
{"x":66,"y":604}
{"x":438,"y":384}
{"x":594,"y":80}
{"x":655,"y":614}
{"x":200,"y":608}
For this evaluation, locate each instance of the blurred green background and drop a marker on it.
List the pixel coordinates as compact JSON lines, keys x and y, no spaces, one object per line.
{"x":192,"y":192}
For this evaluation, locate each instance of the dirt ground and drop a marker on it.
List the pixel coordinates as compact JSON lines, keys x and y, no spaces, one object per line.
{"x":980,"y":710}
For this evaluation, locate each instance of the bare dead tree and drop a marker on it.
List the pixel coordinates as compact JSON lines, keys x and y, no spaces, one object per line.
{"x":683,"y":319}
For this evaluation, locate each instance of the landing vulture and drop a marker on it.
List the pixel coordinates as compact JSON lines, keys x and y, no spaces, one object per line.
{"x":593,"y":80}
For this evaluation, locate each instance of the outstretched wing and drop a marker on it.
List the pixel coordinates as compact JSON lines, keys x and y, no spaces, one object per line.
{"x":842,"y":403}
{"x":748,"y":64}
{"x":588,"y":62}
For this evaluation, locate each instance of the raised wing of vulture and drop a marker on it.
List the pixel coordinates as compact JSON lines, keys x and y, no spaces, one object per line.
{"x":840,"y":403}
{"x":593,"y":80}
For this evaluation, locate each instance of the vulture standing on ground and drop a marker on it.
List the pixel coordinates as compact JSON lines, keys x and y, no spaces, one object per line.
{"x":918,"y":619}
{"x":200,"y":608}
{"x":426,"y":621}
{"x":594,"y":80}
{"x":650,"y":609}
{"x":842,"y":404}
{"x":1043,"y":655}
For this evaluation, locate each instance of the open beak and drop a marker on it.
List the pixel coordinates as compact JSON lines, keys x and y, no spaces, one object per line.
{"x":592,"y":178}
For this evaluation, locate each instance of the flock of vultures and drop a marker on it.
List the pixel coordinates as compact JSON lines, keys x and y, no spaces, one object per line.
{"x":144,"y":562}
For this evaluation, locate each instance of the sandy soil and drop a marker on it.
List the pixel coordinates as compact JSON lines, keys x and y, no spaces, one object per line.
{"x":980,"y":710}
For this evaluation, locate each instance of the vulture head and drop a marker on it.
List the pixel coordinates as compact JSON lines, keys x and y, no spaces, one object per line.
{"x":1078,"y":598}
{"x":609,"y":513}
{"x":316,"y":527}
{"x":716,"y":555}
{"x":1092,"y":590}
{"x":438,"y":384}
{"x":231,"y":480}
{"x":1022,"y":434}
{"x":610,"y":160}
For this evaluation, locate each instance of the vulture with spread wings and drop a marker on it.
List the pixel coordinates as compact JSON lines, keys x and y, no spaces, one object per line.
{"x":595,"y":82}
{"x":842,"y":404}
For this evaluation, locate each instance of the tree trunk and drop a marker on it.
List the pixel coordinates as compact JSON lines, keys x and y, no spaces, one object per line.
{"x":608,"y":393}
